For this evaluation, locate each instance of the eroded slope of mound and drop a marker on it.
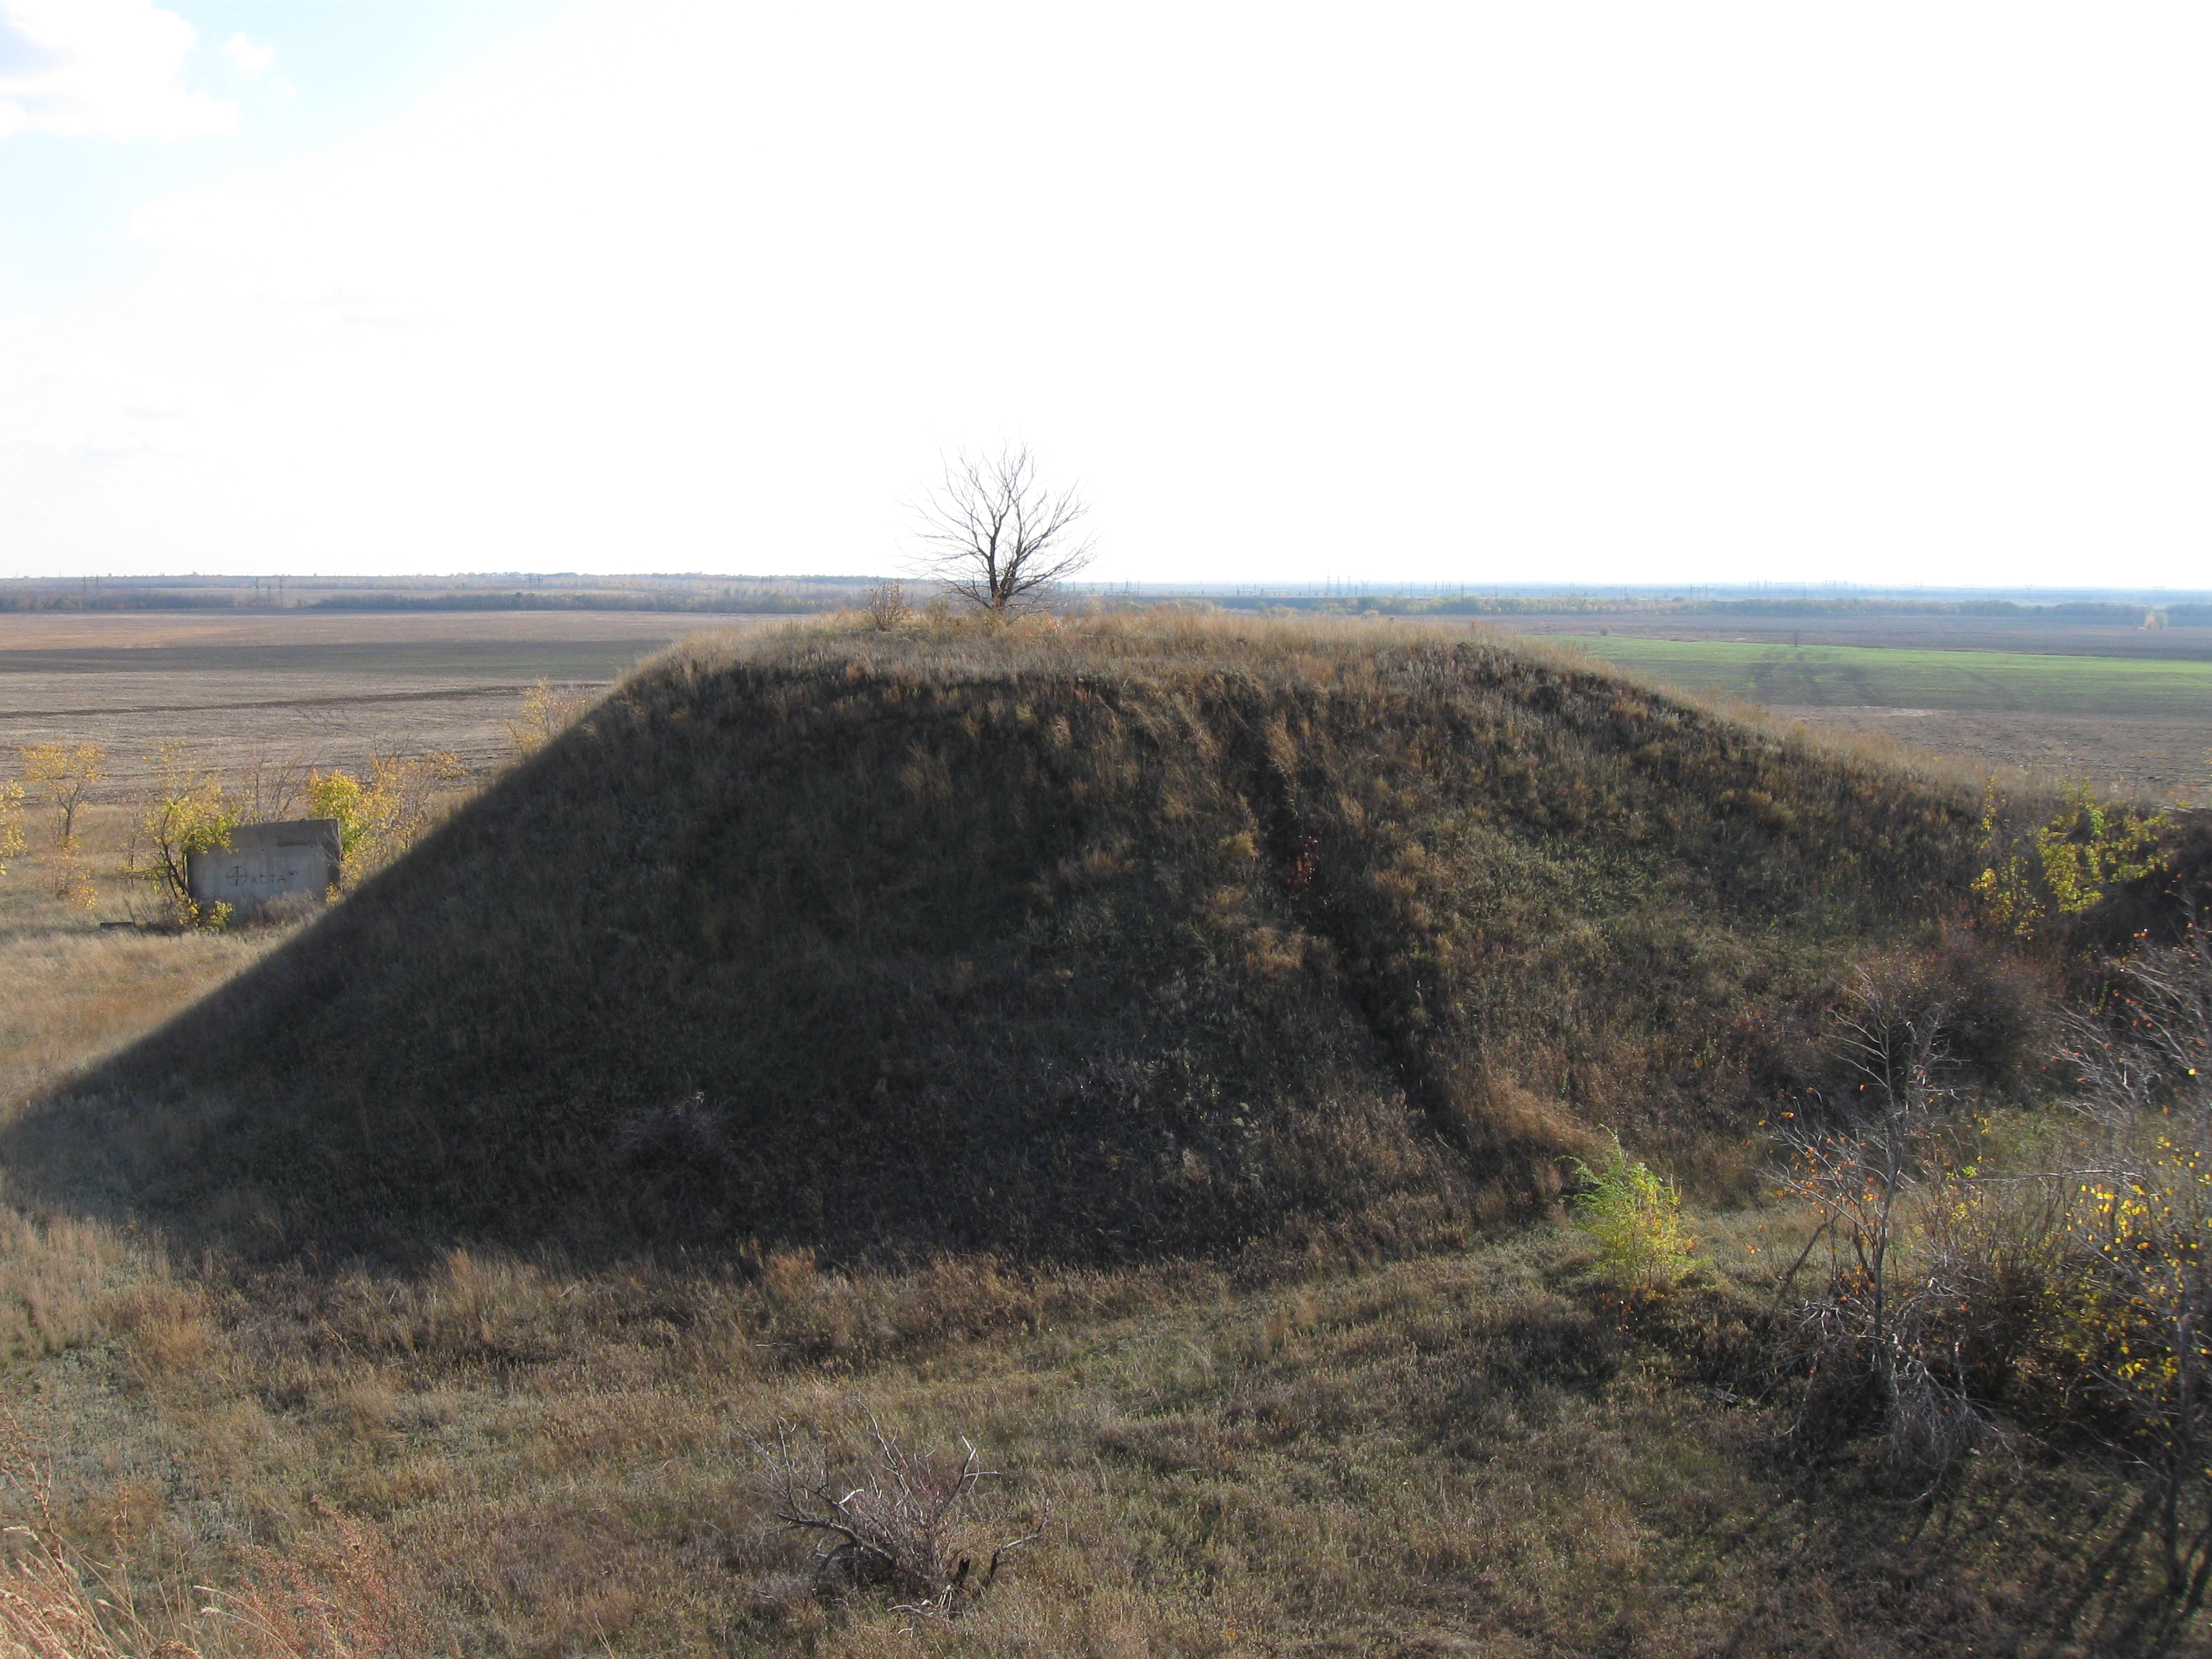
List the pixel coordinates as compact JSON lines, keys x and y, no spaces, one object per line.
{"x":1085,"y":943}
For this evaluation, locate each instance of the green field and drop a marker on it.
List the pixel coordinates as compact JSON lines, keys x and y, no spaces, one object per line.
{"x":1828,"y":675}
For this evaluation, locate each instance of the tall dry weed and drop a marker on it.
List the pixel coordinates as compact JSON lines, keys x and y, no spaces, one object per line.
{"x":339,"y":1596}
{"x":53,"y":1274}
{"x":54,"y":1602}
{"x":334,"y":1596}
{"x":165,"y":1325}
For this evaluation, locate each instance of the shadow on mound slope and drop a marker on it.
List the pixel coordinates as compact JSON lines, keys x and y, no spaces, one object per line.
{"x":1083,"y":944}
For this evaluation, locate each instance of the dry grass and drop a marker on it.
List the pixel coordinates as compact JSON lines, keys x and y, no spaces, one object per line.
{"x":54,"y":1273}
{"x":1288,"y":1450}
{"x":1468,"y":1452}
{"x":332,"y":1597}
{"x":75,"y":992}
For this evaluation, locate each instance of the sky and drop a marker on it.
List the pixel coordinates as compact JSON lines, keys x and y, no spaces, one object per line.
{"x":1469,"y":293}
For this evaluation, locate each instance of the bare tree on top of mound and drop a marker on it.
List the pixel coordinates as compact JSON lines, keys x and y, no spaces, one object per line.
{"x":994,"y":534}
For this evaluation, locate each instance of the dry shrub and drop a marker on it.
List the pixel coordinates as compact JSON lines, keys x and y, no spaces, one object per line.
{"x":894,"y":1526}
{"x":2002,"y":1013}
{"x":1994,"y":1006}
{"x":884,"y":606}
{"x":688,"y":1134}
{"x":70,"y":878}
{"x":11,"y":824}
{"x":1875,"y":1163}
{"x":1968,"y":1286}
{"x":545,"y":713}
{"x":2148,"y":1043}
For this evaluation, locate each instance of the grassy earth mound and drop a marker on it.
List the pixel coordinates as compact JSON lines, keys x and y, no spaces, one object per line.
{"x":1084,"y":942}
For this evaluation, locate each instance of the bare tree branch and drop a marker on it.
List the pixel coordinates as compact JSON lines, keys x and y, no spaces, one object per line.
{"x":995,"y":535}
{"x":1863,"y":1170}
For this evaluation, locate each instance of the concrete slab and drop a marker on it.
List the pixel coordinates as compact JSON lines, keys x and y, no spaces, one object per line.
{"x":265,"y":862}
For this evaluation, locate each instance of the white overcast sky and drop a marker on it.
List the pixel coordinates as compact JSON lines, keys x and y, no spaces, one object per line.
{"x":1481,"y":293}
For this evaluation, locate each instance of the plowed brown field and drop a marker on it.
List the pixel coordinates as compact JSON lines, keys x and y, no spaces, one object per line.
{"x":324,"y":689}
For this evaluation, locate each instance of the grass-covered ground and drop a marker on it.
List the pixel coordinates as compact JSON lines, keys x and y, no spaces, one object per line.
{"x":1467,"y":1453}
{"x":1907,"y":679}
{"x":1380,"y":1436}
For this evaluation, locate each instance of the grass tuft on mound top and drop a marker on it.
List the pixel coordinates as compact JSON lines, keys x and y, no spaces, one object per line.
{"x":1089,"y":942}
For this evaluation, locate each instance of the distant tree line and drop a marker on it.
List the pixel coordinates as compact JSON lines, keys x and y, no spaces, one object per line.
{"x":130,"y":599}
{"x":804,"y":597}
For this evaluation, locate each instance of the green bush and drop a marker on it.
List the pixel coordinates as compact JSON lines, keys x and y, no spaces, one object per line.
{"x":2068,"y":863}
{"x":186,"y":812}
{"x":1634,"y":1216}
